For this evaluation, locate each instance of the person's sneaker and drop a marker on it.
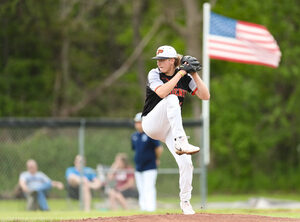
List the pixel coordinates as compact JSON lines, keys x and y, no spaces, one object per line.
{"x":183,"y":147}
{"x":186,"y":208}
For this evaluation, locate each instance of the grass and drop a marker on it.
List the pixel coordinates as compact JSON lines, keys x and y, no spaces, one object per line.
{"x":59,"y":215}
{"x":244,"y":197}
{"x":14,"y":210}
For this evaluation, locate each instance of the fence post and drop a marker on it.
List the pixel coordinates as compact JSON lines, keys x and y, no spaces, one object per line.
{"x":82,"y":163}
{"x":203,"y":179}
{"x":202,"y":176}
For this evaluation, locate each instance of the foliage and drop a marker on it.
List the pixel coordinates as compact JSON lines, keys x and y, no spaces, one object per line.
{"x":254,"y":111}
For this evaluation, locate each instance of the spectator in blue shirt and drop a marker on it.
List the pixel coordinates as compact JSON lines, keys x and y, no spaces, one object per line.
{"x":35,"y":185}
{"x":89,"y":181}
{"x":147,"y":154}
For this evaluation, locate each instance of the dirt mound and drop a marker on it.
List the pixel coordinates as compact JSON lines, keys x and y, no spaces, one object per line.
{"x":202,"y":217}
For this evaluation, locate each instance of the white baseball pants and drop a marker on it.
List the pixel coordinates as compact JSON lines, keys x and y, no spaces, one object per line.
{"x":164,"y":123}
{"x":145,"y":182}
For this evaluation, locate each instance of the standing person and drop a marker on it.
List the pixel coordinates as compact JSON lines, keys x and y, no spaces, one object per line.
{"x":35,"y":185}
{"x":147,"y":154}
{"x":167,"y":86}
{"x":88,"y":179}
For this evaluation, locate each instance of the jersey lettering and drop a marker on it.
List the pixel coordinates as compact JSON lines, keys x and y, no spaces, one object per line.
{"x":179,"y":92}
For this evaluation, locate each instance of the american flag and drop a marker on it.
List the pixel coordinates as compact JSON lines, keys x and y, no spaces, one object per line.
{"x":241,"y":42}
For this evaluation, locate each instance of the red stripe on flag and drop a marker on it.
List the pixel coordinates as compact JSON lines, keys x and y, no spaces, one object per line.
{"x":253,"y":25}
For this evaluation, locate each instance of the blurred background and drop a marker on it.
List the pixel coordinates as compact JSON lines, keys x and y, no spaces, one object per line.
{"x":89,"y":59}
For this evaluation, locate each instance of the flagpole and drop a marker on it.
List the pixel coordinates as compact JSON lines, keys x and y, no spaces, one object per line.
{"x":205,"y":76}
{"x":205,"y":106}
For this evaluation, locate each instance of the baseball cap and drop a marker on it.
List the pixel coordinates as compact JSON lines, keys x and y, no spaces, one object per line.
{"x":138,"y":117}
{"x":165,"y":52}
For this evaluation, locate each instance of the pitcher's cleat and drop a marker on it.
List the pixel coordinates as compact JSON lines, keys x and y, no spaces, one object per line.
{"x":183,"y":147}
{"x":186,"y":208}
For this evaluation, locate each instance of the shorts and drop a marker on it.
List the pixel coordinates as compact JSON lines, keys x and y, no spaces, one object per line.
{"x":73,"y":192}
{"x":133,"y":193}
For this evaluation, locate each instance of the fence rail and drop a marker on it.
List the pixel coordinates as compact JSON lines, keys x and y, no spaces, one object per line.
{"x":76,"y":122}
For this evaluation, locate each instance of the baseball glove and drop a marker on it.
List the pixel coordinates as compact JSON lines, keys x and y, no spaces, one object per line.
{"x":190,"y":64}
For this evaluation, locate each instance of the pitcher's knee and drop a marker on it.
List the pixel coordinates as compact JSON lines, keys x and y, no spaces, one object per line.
{"x":172,"y":100}
{"x":173,"y":103}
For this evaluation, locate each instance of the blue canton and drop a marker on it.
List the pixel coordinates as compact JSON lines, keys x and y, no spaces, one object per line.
{"x":223,"y":26}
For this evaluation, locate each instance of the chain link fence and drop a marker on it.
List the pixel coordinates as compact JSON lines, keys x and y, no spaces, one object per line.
{"x":55,"y":143}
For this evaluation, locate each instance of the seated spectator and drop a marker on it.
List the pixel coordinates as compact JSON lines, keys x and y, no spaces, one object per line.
{"x":35,"y":185}
{"x":89,"y":182}
{"x":121,"y":182}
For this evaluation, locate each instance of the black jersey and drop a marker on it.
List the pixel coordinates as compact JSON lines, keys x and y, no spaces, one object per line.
{"x":156,"y":78}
